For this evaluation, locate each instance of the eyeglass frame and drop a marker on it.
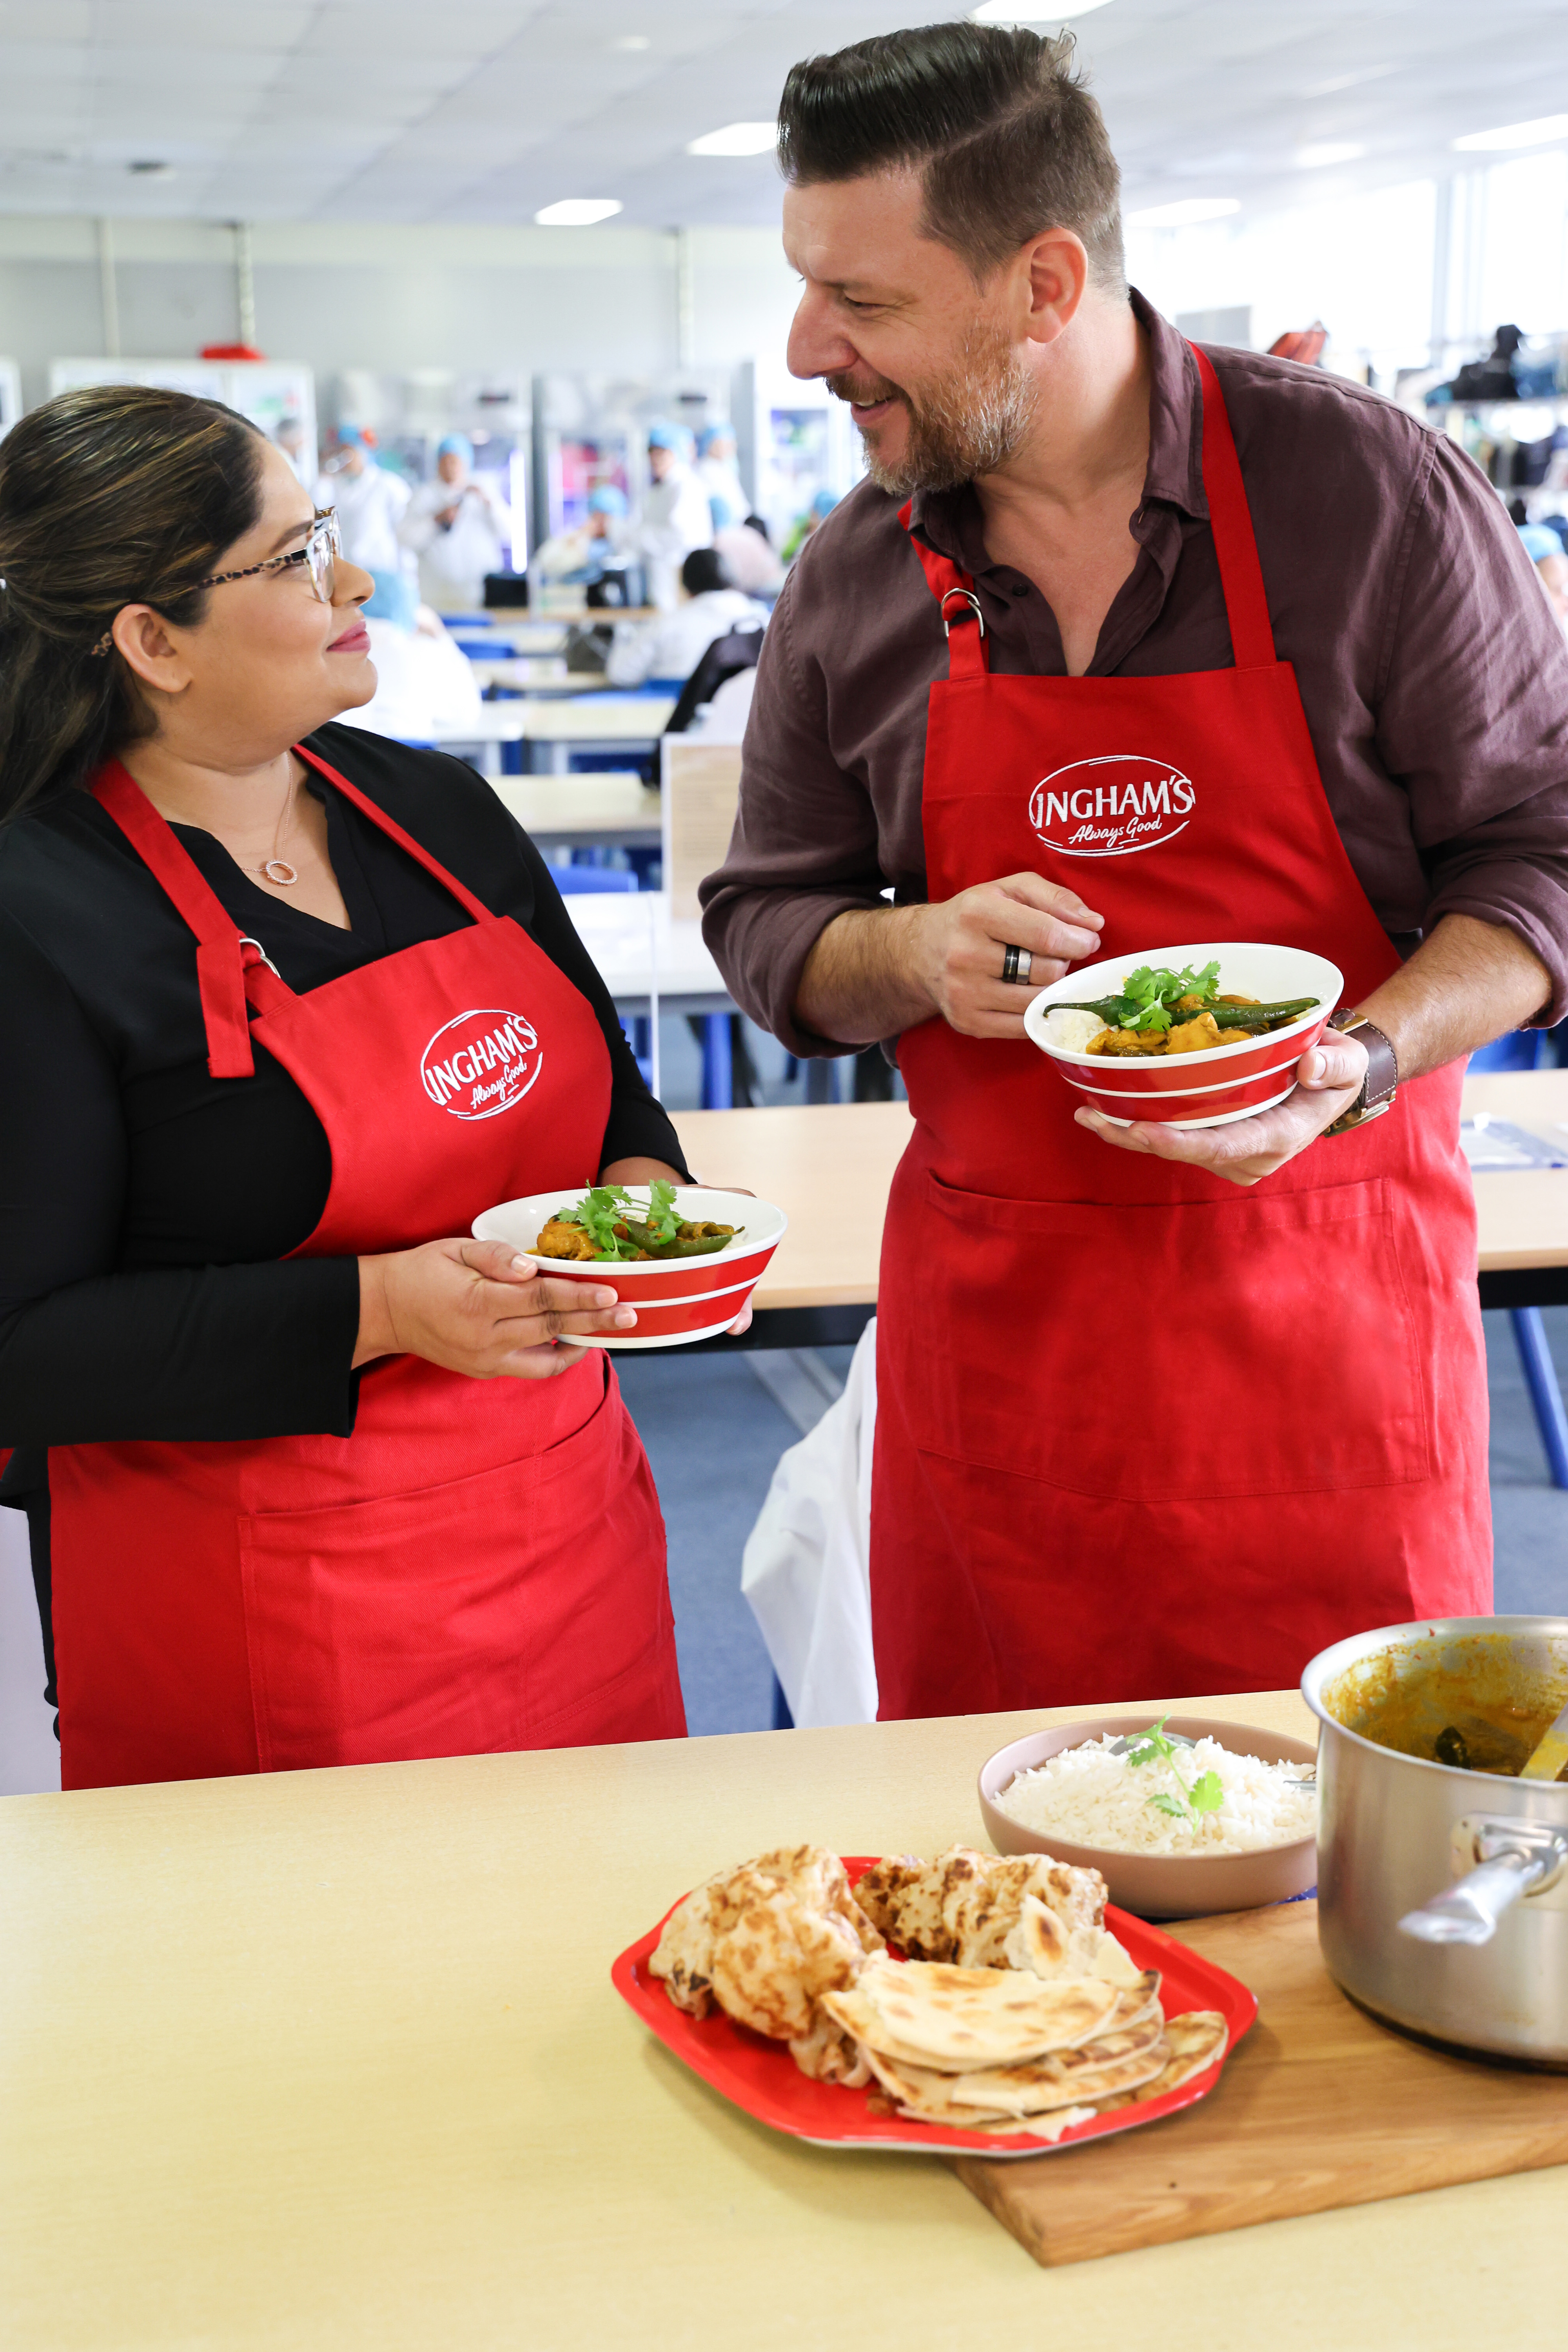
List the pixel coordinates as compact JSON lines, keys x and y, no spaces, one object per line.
{"x":325,"y":531}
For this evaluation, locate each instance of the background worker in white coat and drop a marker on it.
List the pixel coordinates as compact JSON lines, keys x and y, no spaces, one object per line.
{"x":676,"y":516}
{"x":591,"y":548}
{"x":727,"y":502}
{"x":370,"y":503}
{"x":457,"y":525}
{"x":711,"y":606}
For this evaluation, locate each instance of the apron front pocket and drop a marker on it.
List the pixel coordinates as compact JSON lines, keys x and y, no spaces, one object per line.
{"x":504,"y":1609}
{"x":1256,"y":1345}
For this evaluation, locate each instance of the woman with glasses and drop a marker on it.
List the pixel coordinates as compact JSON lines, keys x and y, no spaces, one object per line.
{"x":286,"y":1005}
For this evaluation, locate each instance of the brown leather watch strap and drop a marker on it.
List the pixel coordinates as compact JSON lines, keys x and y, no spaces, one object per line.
{"x":1382,"y":1081}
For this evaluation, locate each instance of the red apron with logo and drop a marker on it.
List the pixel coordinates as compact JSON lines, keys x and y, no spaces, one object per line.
{"x":481,"y":1565}
{"x":1141,"y":1432}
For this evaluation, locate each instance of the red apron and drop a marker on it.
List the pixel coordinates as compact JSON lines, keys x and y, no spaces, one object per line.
{"x":1141,"y":1432}
{"x":481,"y":1565}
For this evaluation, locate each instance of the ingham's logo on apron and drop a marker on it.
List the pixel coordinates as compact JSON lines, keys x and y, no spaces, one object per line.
{"x":1112,"y":806}
{"x":481,"y":1064}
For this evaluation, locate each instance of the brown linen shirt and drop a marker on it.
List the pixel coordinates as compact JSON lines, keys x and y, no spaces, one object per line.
{"x":1434,"y":675}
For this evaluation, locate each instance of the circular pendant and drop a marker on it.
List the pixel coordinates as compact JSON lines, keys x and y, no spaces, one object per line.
{"x":278,"y":870}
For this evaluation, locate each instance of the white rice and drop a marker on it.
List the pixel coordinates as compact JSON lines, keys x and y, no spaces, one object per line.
{"x":1086,"y":1796}
{"x":1071,"y":1032}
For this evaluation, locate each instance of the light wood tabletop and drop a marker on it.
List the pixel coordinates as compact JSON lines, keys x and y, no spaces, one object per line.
{"x":331,"y":2061}
{"x":829,"y":1168}
{"x":618,"y":810}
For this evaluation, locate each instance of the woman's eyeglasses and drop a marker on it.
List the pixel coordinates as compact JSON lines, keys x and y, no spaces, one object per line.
{"x":319,"y":554}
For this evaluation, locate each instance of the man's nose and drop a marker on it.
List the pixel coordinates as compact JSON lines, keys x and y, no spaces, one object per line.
{"x":817,"y":344}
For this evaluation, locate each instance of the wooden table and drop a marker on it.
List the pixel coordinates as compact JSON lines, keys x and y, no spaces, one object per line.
{"x":604,"y":811}
{"x":331,"y":2061}
{"x":831,"y":1167}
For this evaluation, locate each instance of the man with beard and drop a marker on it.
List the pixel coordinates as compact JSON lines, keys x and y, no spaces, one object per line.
{"x":1160,"y":1409}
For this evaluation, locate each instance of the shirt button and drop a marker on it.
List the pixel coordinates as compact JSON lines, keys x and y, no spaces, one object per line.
{"x":1020,"y":588}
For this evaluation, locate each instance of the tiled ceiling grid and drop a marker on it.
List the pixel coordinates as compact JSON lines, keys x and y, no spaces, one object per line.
{"x":484,"y":110}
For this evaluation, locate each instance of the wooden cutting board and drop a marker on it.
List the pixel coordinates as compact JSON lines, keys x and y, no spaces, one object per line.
{"x":1320,"y":2107}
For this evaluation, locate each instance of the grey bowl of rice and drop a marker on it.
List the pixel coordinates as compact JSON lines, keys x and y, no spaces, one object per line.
{"x":1062,"y":1792}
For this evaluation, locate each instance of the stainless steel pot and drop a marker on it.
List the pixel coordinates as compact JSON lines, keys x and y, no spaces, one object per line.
{"x":1442,"y":1894}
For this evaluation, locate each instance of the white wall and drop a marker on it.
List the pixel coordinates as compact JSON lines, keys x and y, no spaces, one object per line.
{"x":520,"y":302}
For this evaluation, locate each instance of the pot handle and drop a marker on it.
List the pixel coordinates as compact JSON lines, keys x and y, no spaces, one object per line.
{"x":1512,"y":1859}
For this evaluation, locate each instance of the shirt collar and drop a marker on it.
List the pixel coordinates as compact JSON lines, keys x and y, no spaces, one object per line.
{"x":951,"y":520}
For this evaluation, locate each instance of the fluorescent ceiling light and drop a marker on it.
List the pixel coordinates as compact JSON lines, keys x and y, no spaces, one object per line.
{"x":1184,"y":212}
{"x":577,"y":212}
{"x":737,"y":139}
{"x":1539,"y":133}
{"x":1030,"y":12}
{"x":632,"y":41}
{"x":1319,"y":152}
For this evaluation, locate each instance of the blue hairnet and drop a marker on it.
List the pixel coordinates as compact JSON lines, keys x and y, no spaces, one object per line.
{"x":664,"y":437}
{"x":822,"y":504}
{"x":608,"y":500}
{"x":710,"y":433}
{"x":1539,"y":541}
{"x":395,"y":599}
{"x":455,"y":445}
{"x":351,"y":436}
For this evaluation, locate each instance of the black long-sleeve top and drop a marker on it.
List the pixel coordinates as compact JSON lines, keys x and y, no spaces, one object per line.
{"x":145,"y":1207}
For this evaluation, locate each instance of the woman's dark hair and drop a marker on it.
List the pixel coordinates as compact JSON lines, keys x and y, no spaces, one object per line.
{"x":119,"y":494}
{"x":1005,"y":135}
{"x":703,"y":570}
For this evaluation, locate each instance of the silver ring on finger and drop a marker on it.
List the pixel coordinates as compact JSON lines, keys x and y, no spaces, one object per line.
{"x":1017,"y":965}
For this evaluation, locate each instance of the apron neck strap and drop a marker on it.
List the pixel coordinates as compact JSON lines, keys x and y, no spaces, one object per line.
{"x":968,"y":655}
{"x":223,"y":969}
{"x":378,"y":816}
{"x":232,"y":971}
{"x":1235,"y":546}
{"x":1230,"y":520}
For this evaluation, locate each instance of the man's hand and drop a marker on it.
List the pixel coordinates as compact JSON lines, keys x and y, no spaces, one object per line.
{"x":873,"y":975}
{"x":1328,"y":1080}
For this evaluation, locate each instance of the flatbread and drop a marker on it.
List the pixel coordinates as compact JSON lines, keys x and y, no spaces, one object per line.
{"x":1196,"y":2039}
{"x":956,"y":2019}
{"x":1029,"y":2090}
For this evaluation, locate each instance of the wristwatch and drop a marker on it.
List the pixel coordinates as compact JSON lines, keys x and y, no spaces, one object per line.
{"x":1380,"y":1083}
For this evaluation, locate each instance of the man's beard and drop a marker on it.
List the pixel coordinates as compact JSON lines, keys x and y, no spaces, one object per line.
{"x":971,"y":422}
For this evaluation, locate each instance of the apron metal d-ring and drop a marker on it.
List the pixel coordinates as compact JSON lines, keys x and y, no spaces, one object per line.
{"x":260,"y":956}
{"x":971,"y":599}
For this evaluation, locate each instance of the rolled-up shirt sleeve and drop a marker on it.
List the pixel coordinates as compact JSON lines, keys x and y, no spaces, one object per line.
{"x":805,"y":848}
{"x":1472,"y":717}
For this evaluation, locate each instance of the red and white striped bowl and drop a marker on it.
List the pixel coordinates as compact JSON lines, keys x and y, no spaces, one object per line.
{"x":677,"y":1300}
{"x":1207,"y":1089}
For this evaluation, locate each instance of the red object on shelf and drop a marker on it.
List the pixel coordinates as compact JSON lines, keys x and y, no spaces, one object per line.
{"x":231,"y":352}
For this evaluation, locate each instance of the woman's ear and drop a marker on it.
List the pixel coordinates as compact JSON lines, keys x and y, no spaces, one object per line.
{"x":143,"y":640}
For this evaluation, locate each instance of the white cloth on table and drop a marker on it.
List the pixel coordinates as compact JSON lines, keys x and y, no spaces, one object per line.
{"x":807,"y":1568}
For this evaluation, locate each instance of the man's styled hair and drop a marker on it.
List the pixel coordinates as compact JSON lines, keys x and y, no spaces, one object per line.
{"x":1005,"y":135}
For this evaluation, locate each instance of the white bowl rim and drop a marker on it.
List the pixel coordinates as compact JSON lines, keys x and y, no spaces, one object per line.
{"x":632,"y":1269}
{"x":1042,"y":1003}
{"x":1116,"y":1722}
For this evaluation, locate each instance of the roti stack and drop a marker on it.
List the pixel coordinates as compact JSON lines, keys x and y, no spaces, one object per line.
{"x":975,"y":2047}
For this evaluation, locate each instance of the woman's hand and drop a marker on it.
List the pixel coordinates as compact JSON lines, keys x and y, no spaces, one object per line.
{"x":479,"y":1307}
